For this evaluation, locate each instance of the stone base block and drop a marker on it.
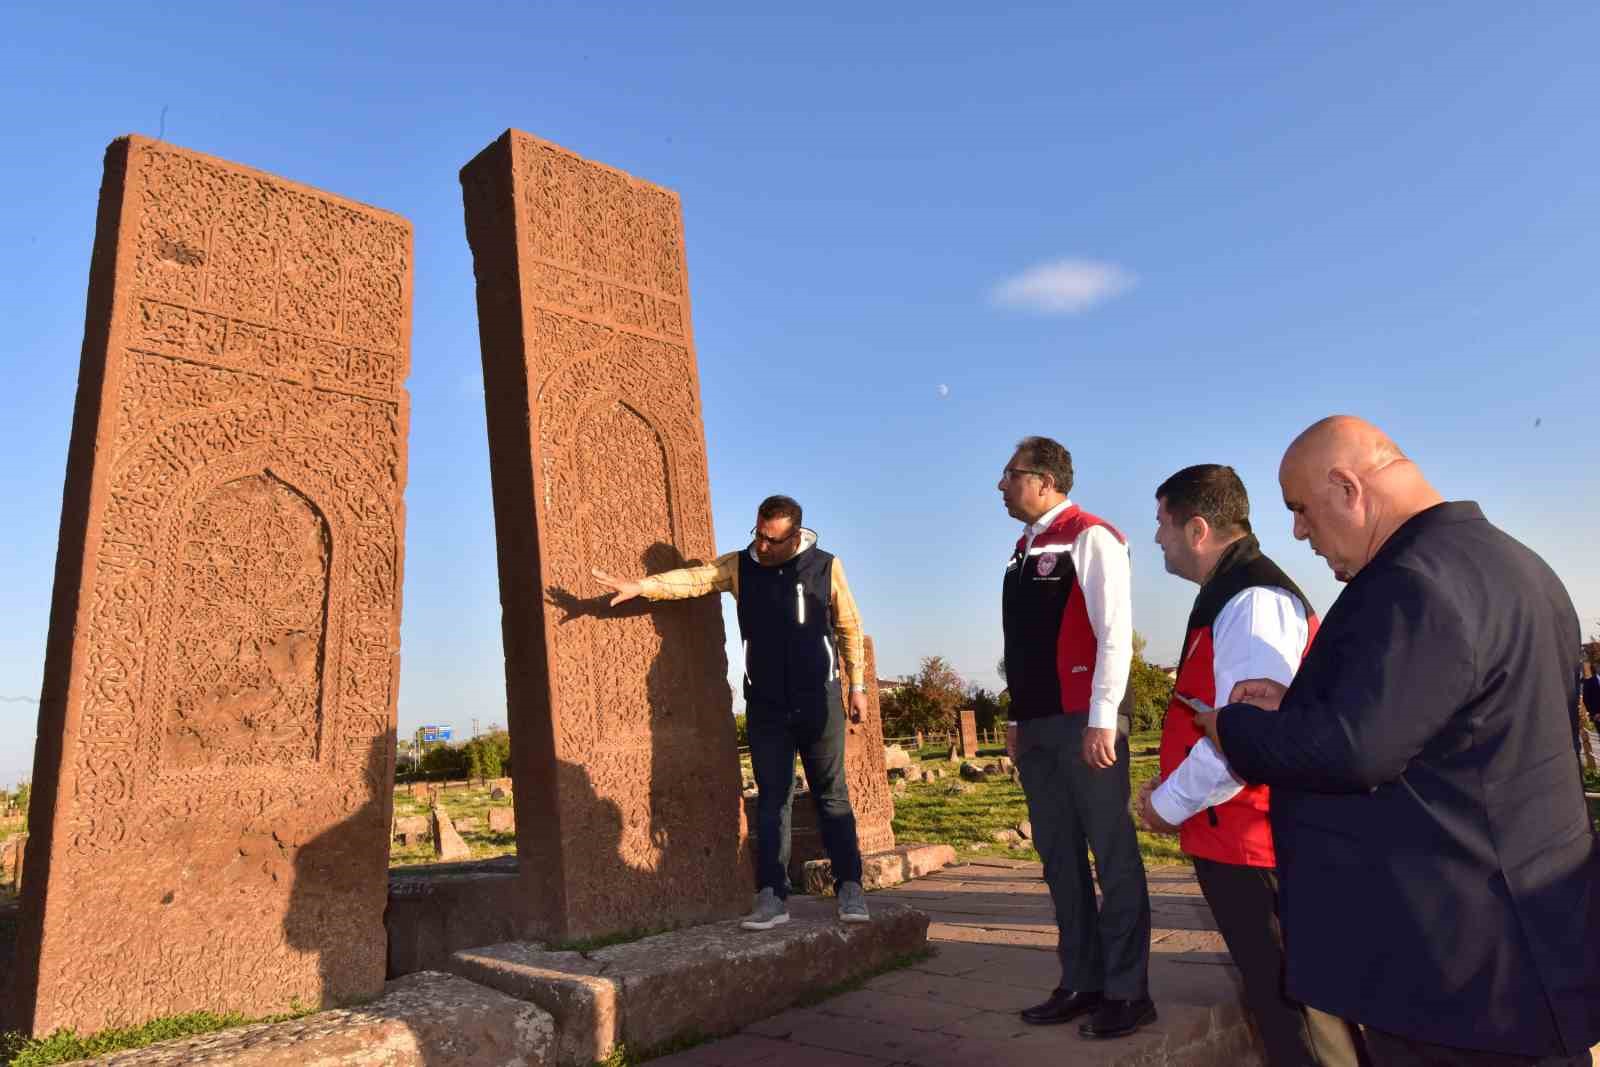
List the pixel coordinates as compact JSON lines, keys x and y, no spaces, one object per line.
{"x":440,"y":908}
{"x":880,"y":870}
{"x":421,"y":1020}
{"x":704,"y":980}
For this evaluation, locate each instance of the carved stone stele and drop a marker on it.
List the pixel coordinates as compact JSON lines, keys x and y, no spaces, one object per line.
{"x":623,"y":749}
{"x":216,"y":731}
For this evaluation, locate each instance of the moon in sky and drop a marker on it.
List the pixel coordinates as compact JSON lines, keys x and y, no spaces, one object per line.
{"x":943,"y":390}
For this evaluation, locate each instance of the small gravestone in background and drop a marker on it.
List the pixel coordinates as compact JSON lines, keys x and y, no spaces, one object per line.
{"x":448,"y":846}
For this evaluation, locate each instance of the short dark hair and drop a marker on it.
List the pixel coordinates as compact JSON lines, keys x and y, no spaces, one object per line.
{"x":775,"y":507}
{"x":1213,"y":492}
{"x":1050,"y":457}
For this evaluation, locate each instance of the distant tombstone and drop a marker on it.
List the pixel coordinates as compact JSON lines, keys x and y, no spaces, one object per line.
{"x":919,"y":739}
{"x":502,"y":820}
{"x":448,"y":846}
{"x":498,"y":794}
{"x":216,"y":729}
{"x":412,"y":827}
{"x":622,"y":738}
{"x":968,"y":733}
{"x":421,"y":790}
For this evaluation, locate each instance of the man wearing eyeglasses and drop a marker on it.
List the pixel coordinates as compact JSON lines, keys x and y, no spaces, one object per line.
{"x":1068,"y":621}
{"x":797,"y":618}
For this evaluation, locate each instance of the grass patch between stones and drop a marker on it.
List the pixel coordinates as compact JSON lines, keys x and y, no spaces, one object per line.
{"x":65,"y":1046}
{"x":938,"y":813}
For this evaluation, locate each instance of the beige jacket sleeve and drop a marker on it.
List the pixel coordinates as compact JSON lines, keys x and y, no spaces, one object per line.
{"x":847,"y":625}
{"x":718,"y":576}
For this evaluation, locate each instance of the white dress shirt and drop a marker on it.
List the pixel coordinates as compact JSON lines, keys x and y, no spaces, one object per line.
{"x":1260,"y":633}
{"x":1105,"y":579}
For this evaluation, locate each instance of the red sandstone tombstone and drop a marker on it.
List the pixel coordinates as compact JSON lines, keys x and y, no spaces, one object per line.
{"x":867,"y":772}
{"x":212,"y":786}
{"x":623,"y":750}
{"x":968,"y":732}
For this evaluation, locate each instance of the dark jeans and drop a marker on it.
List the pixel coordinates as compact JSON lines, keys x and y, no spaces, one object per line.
{"x":1075,"y":808}
{"x":1244,"y":901}
{"x":1391,"y":1050}
{"x":816,"y":731}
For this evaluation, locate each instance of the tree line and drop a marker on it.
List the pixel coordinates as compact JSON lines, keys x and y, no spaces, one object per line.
{"x":929,"y":700}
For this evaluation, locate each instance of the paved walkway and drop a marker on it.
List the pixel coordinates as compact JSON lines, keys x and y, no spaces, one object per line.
{"x":995,"y":935}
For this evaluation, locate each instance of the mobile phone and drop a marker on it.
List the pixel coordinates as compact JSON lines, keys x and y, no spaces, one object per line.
{"x":1195,"y":704}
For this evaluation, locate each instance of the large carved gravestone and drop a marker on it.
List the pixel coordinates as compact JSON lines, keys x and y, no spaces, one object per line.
{"x":627,"y":797}
{"x":216,"y":731}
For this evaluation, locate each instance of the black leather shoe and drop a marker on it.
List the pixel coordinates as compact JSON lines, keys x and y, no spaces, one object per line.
{"x":1062,"y":1007}
{"x":1119,"y":1018}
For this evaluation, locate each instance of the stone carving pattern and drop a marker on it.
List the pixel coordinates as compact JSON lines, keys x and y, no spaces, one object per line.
{"x":865,"y":771}
{"x":622,"y":482}
{"x":237,"y":660}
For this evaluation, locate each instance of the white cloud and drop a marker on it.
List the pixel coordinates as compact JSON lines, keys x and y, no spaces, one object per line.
{"x":1063,"y":287}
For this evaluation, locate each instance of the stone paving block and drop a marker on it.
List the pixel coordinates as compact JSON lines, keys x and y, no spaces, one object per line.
{"x":911,"y":1012}
{"x":422,"y":1020}
{"x":947,"y":990}
{"x":749,"y":1050}
{"x":862,"y":1037}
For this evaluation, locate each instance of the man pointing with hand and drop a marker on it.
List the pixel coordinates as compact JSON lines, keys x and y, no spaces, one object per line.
{"x":798,"y":619}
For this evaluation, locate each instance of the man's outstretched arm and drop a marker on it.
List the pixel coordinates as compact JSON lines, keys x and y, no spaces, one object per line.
{"x":681,"y":584}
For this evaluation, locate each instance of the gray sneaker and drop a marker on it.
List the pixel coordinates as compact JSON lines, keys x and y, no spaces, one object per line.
{"x":769,"y":912}
{"x":852,"y":903}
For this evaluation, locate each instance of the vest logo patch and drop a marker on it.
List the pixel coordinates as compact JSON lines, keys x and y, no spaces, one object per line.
{"x":1046,"y":564}
{"x":1079,"y":669}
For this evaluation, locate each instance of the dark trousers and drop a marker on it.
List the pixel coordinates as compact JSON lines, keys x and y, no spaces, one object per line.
{"x":1391,"y":1050}
{"x":816,"y":731}
{"x":1075,"y":808}
{"x":1244,"y":901}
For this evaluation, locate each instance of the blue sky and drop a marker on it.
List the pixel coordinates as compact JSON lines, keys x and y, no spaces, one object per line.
{"x":1237,"y":221}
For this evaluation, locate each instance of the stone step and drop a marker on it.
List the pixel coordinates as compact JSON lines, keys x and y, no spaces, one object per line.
{"x":421,"y":1020}
{"x":703,"y":980}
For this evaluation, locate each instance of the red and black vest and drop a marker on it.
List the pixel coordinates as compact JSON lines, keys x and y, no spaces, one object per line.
{"x":1237,"y":831}
{"x":1050,"y":647}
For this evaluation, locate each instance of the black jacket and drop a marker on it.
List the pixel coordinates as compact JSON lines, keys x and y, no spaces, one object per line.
{"x":1439,"y":877}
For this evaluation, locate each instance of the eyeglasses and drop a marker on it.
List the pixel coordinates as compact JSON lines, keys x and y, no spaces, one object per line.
{"x":763,"y":539}
{"x":1012,"y":472}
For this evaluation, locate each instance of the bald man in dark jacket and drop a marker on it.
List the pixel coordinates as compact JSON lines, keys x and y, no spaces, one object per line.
{"x":1440,"y":883}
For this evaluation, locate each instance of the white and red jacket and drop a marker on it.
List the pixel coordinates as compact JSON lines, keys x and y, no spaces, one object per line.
{"x":1249,"y":621}
{"x":1068,"y":618}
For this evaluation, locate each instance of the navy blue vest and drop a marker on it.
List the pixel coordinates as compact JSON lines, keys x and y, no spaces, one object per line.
{"x":785,"y":618}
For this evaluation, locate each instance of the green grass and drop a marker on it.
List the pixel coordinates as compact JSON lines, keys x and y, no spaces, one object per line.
{"x":64,"y":1046}
{"x":928,"y":813}
{"x":472,"y":802}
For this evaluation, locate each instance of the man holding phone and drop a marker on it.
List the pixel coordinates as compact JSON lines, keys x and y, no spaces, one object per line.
{"x":1249,"y":621}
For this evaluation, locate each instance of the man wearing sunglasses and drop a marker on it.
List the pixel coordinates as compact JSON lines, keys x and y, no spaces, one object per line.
{"x":1068,"y":621}
{"x":797,"y":619}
